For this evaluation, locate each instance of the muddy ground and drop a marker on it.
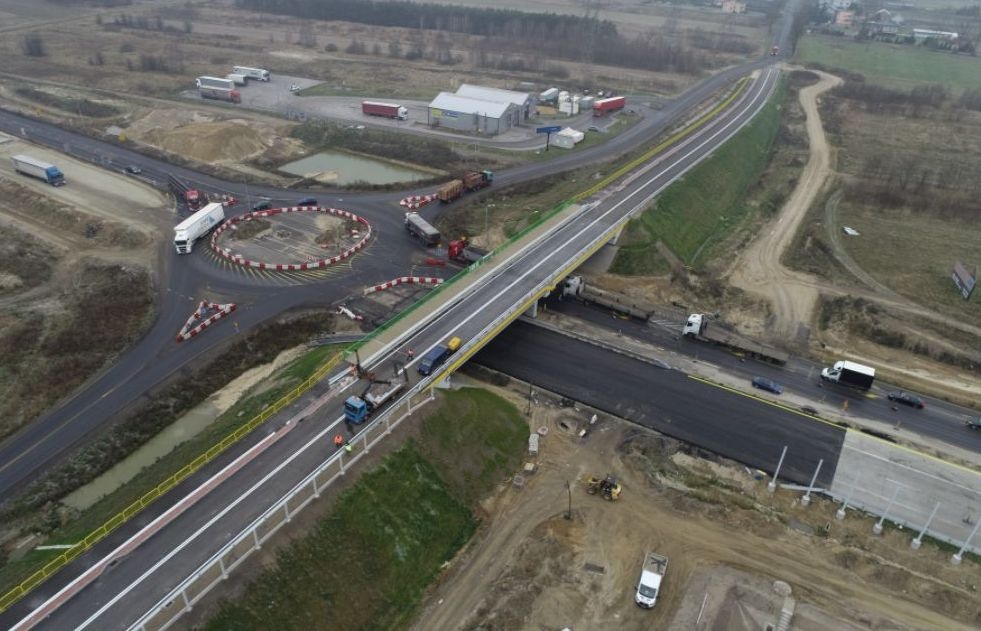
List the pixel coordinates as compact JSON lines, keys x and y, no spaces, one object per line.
{"x":531,"y":568}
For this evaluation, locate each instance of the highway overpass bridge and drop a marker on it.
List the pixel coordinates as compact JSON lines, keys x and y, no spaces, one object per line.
{"x":135,"y":570}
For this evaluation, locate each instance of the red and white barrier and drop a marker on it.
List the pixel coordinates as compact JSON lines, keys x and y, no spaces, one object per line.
{"x":404,"y":280}
{"x":238,"y":259}
{"x":414,"y":202}
{"x":204,"y":316}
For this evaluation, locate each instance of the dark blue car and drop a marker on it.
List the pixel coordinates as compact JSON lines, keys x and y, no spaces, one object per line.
{"x":307,"y":201}
{"x":767,"y":384}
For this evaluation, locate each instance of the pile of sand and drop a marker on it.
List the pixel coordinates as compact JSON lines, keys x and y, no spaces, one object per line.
{"x":210,"y":142}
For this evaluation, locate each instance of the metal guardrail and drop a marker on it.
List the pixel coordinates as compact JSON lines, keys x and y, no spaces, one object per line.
{"x":115,"y":522}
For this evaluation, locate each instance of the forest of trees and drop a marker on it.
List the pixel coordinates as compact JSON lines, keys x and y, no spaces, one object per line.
{"x":568,"y":37}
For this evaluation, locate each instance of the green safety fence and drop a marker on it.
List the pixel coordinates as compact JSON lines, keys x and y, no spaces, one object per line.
{"x":126,"y":514}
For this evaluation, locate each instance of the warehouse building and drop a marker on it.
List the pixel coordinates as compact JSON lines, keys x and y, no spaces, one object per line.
{"x":461,"y":113}
{"x":523,"y":100}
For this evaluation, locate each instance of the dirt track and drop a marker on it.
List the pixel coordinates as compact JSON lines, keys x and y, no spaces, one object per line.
{"x":759,"y":270}
{"x":532,"y":569}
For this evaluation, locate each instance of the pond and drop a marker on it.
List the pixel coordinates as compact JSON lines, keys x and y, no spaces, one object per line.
{"x":337,"y":167}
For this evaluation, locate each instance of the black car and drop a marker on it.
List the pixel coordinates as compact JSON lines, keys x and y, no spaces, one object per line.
{"x":767,"y":384}
{"x":132,"y":169}
{"x":264,"y":205}
{"x":307,"y":201}
{"x":906,"y":399}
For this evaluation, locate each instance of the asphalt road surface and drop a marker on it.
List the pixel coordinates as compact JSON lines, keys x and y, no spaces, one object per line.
{"x":939,"y":420}
{"x":144,"y":575}
{"x":734,"y":425}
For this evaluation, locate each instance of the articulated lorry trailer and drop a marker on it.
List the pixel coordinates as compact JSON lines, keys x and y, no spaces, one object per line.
{"x":386,"y":110}
{"x":258,"y":74}
{"x":697,"y":328}
{"x":215,"y":82}
{"x":602,"y":107}
{"x":471,"y":181}
{"x":220,"y":94}
{"x":421,"y":229}
{"x":196,"y":226}
{"x":577,"y":287}
{"x":36,"y":168}
{"x":851,"y":374}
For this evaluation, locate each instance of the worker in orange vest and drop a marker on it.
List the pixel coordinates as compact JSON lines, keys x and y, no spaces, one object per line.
{"x":338,"y":441}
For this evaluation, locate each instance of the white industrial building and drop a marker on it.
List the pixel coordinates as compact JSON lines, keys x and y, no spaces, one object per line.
{"x":477,"y":109}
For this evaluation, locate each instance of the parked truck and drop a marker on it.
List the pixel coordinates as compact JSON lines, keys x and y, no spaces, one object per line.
{"x":220,"y":94}
{"x":774,"y":50}
{"x":196,"y":226}
{"x":421,"y":229}
{"x":252,"y":73}
{"x":471,"y":181}
{"x":697,"y":328}
{"x":602,"y":107}
{"x":387,"y":110}
{"x":215,"y":82}
{"x":461,"y":251}
{"x":849,"y":374}
{"x":238,"y":79}
{"x":651,"y":577}
{"x":437,"y":355}
{"x":577,"y":287}
{"x":357,"y":409}
{"x":39,"y":169}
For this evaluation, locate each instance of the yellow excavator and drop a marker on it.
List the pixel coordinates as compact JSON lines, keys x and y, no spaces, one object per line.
{"x":608,"y":487}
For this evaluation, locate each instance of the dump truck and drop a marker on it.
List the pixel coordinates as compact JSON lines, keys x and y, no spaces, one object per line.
{"x":196,"y":226}
{"x":651,"y":575}
{"x":387,"y":110}
{"x":697,"y":328}
{"x":602,"y":107}
{"x":358,"y":409}
{"x":851,"y":374}
{"x":252,"y":73}
{"x":437,"y":355}
{"x":238,"y":79}
{"x":471,"y":181}
{"x":194,"y":199}
{"x":421,"y":229}
{"x":33,"y":167}
{"x":215,"y":82}
{"x":577,"y":287}
{"x":220,"y":94}
{"x":461,"y":251}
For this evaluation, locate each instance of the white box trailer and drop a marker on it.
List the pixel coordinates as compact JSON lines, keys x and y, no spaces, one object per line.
{"x":215,"y":82}
{"x":252,"y":73}
{"x":238,"y":79}
{"x":196,"y":226}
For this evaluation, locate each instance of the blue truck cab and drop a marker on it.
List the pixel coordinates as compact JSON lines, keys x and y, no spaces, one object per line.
{"x":356,"y":409}
{"x":54,"y":176}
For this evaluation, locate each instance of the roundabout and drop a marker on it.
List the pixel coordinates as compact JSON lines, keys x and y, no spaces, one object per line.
{"x":293,"y":239}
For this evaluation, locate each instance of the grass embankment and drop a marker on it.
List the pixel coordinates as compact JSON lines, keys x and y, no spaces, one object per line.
{"x":367,"y":564}
{"x":70,"y":104}
{"x":697,"y":213}
{"x":892,"y":65}
{"x":33,"y":511}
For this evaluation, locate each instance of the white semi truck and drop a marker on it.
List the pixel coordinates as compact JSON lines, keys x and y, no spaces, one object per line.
{"x":39,"y":169}
{"x":238,"y":79}
{"x":252,"y":73}
{"x":651,"y":575}
{"x":215,"y":82}
{"x":196,"y":226}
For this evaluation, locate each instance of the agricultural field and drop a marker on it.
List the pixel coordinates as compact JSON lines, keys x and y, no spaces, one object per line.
{"x":894,"y":66}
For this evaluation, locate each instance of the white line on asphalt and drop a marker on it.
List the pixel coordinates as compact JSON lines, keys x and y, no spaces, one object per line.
{"x":120,"y":595}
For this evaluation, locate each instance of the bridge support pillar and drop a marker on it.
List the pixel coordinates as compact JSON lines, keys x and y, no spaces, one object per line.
{"x":532,"y":311}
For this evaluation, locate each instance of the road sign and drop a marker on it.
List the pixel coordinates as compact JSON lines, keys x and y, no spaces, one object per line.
{"x":548,"y":130}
